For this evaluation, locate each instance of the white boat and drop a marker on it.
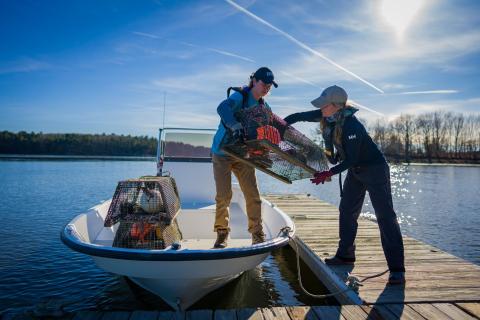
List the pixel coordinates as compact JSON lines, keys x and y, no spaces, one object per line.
{"x":182,"y":276}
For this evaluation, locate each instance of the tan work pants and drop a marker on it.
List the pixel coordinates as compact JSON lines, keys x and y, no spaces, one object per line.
{"x":222,"y":172}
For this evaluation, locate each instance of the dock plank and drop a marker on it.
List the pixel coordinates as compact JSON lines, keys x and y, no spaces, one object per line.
{"x":351,"y":312}
{"x":328,"y":312}
{"x":410,"y":311}
{"x":453,"y":311}
{"x":300,"y":313}
{"x":429,"y":311}
{"x":249,"y":314}
{"x":471,"y":308}
{"x":403,"y":311}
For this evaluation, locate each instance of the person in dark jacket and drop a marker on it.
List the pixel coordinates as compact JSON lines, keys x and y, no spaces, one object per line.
{"x":367,"y":171}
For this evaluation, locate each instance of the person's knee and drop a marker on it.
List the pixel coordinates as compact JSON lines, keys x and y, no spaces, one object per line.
{"x":225,"y":197}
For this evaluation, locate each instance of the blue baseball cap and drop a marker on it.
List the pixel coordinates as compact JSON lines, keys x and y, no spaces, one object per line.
{"x":266,"y":75}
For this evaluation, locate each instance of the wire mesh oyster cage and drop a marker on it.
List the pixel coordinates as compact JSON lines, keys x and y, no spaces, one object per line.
{"x":276,"y":148}
{"x":146,"y":209}
{"x":145,"y":235}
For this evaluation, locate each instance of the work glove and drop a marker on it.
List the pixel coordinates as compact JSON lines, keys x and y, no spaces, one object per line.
{"x":321,"y":177}
{"x":238,"y":133}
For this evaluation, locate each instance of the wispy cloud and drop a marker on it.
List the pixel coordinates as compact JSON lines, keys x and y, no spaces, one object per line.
{"x":222,"y":52}
{"x":144,"y":34}
{"x":303,"y":45}
{"x":24,"y":65}
{"x":361,"y":106}
{"x":448,"y":91}
{"x":467,"y":106}
{"x":300,"y":79}
{"x":354,"y":103}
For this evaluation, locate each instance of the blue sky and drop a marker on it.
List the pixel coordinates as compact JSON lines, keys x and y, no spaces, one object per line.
{"x":104,"y":66}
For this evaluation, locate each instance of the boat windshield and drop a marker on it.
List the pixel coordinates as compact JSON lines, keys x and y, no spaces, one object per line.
{"x":185,"y":144}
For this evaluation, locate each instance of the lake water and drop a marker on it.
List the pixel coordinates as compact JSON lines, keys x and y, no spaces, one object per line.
{"x":438,"y":205}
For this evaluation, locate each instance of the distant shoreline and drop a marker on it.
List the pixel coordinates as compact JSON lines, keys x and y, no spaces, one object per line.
{"x":150,"y":158}
{"x":443,"y":164}
{"x":73,"y":157}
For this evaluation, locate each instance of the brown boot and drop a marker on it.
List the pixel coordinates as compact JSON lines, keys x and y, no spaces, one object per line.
{"x":258,"y":237}
{"x":222,"y":236}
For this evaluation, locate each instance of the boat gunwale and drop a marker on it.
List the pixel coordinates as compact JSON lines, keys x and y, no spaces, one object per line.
{"x":76,"y":244}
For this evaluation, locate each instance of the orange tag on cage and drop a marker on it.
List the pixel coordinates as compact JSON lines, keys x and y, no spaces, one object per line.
{"x":268,"y":133}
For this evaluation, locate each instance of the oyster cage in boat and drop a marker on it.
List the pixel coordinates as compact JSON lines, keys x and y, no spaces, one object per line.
{"x":150,"y":199}
{"x":145,"y":235}
{"x":277,"y":149}
{"x":145,"y":209}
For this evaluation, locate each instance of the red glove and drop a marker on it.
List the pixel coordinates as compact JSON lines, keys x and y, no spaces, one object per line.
{"x":321,"y":177}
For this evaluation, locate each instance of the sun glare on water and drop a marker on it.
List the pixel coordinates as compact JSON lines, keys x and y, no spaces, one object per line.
{"x":400,"y":14}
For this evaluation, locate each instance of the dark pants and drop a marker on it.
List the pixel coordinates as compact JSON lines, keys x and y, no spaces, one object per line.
{"x":376,"y":180}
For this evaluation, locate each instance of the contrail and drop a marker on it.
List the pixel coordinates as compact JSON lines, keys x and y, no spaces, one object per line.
{"x":355,"y":104}
{"x":427,"y":92}
{"x":225,"y":53}
{"x":314,"y":85}
{"x":148,"y":35}
{"x":300,"y":79}
{"x":303,"y":45}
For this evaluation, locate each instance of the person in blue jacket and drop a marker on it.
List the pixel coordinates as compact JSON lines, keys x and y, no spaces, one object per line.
{"x":231,"y":130}
{"x":367,"y":171}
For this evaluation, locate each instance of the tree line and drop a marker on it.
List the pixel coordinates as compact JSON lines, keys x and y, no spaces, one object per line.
{"x":76,"y":144}
{"x":429,"y":137}
{"x":432,"y":137}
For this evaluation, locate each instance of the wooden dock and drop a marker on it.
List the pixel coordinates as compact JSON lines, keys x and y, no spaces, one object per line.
{"x":432,"y":275}
{"x":349,"y":312}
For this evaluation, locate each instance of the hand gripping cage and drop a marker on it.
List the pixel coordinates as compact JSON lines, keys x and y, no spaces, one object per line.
{"x":276,"y":148}
{"x":146,"y":209}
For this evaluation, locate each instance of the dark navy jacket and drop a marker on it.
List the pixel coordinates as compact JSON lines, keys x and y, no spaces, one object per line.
{"x":358,"y":146}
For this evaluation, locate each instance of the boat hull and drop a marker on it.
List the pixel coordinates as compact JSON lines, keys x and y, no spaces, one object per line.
{"x":181,"y":283}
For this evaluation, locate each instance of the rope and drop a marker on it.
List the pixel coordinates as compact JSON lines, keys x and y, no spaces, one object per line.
{"x":352,"y":282}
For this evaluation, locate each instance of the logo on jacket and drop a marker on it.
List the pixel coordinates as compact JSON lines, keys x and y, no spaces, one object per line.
{"x":352,"y":136}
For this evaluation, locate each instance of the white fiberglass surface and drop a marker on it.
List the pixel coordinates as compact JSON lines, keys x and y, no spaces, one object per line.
{"x":196,"y":225}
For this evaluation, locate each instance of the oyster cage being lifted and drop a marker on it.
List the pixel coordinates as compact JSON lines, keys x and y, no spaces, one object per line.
{"x":145,"y":209}
{"x":277,"y":149}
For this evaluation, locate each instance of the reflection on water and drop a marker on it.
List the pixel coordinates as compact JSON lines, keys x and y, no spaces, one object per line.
{"x":272,"y":283}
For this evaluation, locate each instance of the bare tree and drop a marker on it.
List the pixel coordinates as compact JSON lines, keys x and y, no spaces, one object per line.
{"x":457,"y":121}
{"x":379,"y":133}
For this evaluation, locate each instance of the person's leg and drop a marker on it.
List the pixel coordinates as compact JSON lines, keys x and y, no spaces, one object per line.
{"x":248,"y":184}
{"x":222,"y":172}
{"x":350,"y":208}
{"x":391,"y":236}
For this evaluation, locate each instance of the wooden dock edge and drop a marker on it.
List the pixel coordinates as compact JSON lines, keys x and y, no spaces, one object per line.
{"x":328,"y":277}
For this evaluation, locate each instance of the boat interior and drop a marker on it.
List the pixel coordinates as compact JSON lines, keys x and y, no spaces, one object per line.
{"x":196,"y":227}
{"x":196,"y":188}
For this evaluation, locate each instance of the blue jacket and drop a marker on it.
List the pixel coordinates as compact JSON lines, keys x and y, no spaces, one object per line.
{"x":226,"y":110}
